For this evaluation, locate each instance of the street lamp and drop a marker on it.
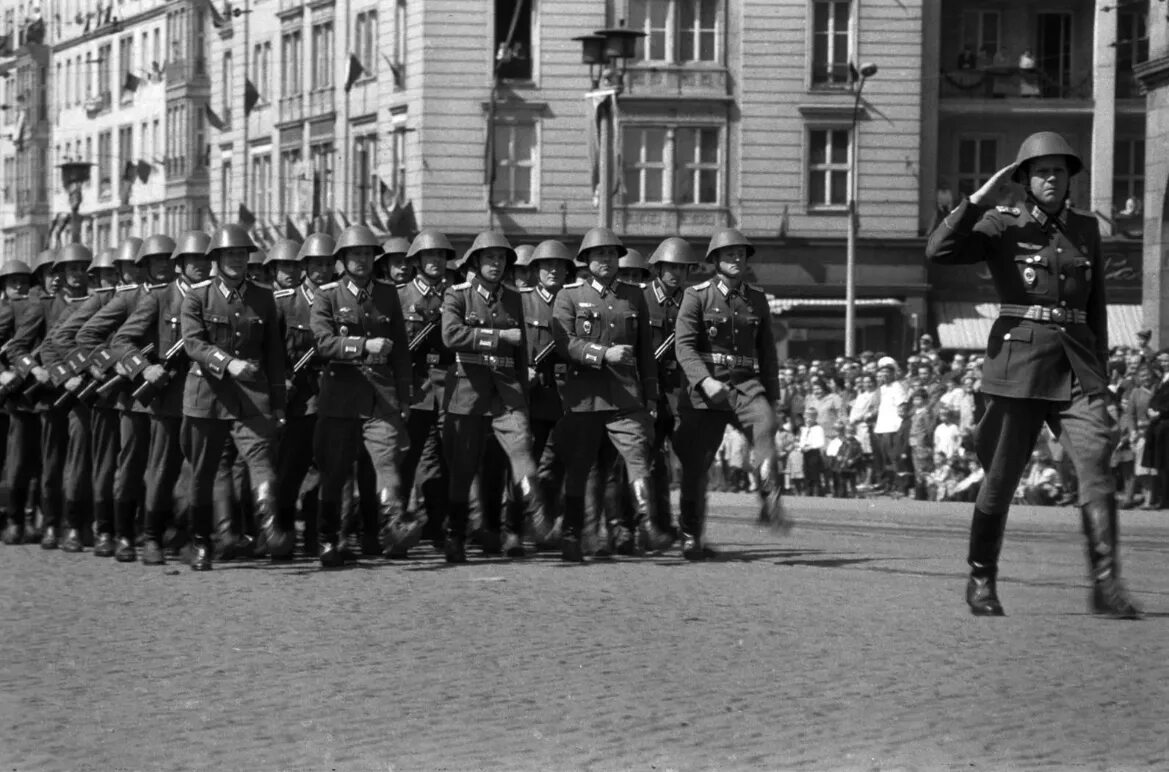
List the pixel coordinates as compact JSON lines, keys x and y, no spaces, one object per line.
{"x":605,"y":51}
{"x":867,"y":71}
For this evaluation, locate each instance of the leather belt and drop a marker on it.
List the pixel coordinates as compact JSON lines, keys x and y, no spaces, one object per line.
{"x":1057,"y":314}
{"x":560,"y":369}
{"x":487,"y":360}
{"x":730,"y":360}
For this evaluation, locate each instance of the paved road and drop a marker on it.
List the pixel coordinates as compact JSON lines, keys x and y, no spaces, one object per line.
{"x":845,"y":645}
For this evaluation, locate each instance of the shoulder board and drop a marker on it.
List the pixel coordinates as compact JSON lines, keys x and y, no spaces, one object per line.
{"x":703,"y":285}
{"x":283,"y":293}
{"x":637,"y":284}
{"x":125,"y":288}
{"x":400,"y":285}
{"x":329,"y":286}
{"x":1008,"y":210}
{"x":528,"y":289}
{"x":160,"y":285}
{"x":77,"y":299}
{"x":201,"y":284}
{"x":462,"y":286}
{"x":577,"y":283}
{"x":100,"y":290}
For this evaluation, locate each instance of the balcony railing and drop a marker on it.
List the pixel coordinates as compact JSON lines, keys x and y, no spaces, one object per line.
{"x":320,"y":101}
{"x":291,"y":108}
{"x":1003,"y":82}
{"x":684,"y":82}
{"x":98,"y":104}
{"x":646,"y":219}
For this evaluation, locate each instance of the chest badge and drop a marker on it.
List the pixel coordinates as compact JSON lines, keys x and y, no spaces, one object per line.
{"x":343,"y":332}
{"x":1029,"y":276}
{"x":713,"y":330}
{"x":587,"y":327}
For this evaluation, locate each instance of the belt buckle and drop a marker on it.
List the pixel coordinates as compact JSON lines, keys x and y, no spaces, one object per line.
{"x":1059,"y":315}
{"x":432,"y":359}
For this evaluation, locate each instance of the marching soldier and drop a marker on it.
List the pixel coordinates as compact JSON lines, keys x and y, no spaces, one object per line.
{"x":65,"y":473}
{"x":633,"y":269}
{"x":155,"y":322}
{"x":482,"y":323}
{"x":153,"y":261}
{"x":421,"y":301}
{"x":21,"y":323}
{"x":519,"y":275}
{"x":361,"y":337}
{"x":1045,"y":359}
{"x":730,"y":374}
{"x":234,"y":390}
{"x":392,"y":266}
{"x":601,"y":327}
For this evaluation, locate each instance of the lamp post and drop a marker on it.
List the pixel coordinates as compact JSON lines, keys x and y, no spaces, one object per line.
{"x":867,"y":70}
{"x":605,"y":52}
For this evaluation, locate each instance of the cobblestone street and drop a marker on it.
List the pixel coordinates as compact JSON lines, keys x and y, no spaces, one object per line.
{"x":844,"y":645}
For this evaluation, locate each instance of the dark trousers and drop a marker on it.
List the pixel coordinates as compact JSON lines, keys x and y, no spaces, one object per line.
{"x":105,"y":440}
{"x":337,"y":441}
{"x":130,"y":478}
{"x":294,"y":459}
{"x":424,"y":464}
{"x":54,"y":442}
{"x":464,"y":438}
{"x":1009,"y":428}
{"x":204,"y":442}
{"x":885,"y":459}
{"x":700,"y":432}
{"x":22,"y":459}
{"x":163,"y":467}
{"x":582,"y":435}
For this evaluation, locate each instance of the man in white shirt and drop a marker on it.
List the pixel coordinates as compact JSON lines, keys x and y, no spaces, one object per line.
{"x":892,"y":394}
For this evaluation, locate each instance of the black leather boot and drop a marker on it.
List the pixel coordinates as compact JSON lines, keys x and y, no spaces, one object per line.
{"x":650,"y":538}
{"x":986,"y":541}
{"x":397,"y":532}
{"x":201,"y":554}
{"x":455,"y":547}
{"x":570,"y":533}
{"x":1109,"y":595}
{"x":328,"y":530}
{"x":13,"y":528}
{"x":690,"y":524}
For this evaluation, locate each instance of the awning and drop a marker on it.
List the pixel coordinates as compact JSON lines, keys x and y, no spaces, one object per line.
{"x":783,"y":305}
{"x":966,"y":326}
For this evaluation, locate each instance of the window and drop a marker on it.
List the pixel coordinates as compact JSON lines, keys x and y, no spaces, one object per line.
{"x":105,"y":164}
{"x":828,"y":168}
{"x":125,"y":64}
{"x":1132,"y":47}
{"x":397,"y":184}
{"x":1128,"y":175}
{"x":830,"y":43}
{"x":290,"y":180}
{"x":672,"y":165}
{"x":199,"y":45}
{"x":144,"y":52}
{"x":399,"y":48}
{"x":262,"y":185}
{"x":678,"y":30}
{"x":104,"y":55}
{"x":290,"y":83}
{"x":322,"y":56}
{"x":365,"y":41}
{"x":9,"y":179}
{"x":321,"y":159}
{"x":515,"y":163}
{"x":225,"y":212}
{"x":144,"y":142}
{"x":125,"y":147}
{"x":365,"y":179}
{"x":157,"y":47}
{"x":1054,"y":53}
{"x":200,"y":147}
{"x":227,"y":91}
{"x":981,"y":33}
{"x":977,"y":163}
{"x":513,"y":39}
{"x":261,"y":67}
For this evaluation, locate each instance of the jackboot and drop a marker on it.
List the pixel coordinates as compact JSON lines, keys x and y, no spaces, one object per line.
{"x":397,"y":532}
{"x":328,"y":530}
{"x":201,"y":554}
{"x":1109,"y":595}
{"x":274,"y":537}
{"x":13,"y":528}
{"x":226,"y":539}
{"x":104,"y":546}
{"x":125,"y":551}
{"x":125,"y":515}
{"x":308,"y":513}
{"x":986,"y":542}
{"x":535,"y":509}
{"x":455,"y":547}
{"x":649,"y":537}
{"x":570,"y":546}
{"x":690,"y":524}
{"x":71,"y":542}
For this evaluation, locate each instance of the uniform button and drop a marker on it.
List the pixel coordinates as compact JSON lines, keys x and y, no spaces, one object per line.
{"x":1059,"y":250}
{"x":1063,"y":302}
{"x":1007,"y":336}
{"x":1062,"y":276}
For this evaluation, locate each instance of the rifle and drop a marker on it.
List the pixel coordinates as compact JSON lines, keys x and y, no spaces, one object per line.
{"x":422,"y":335}
{"x":115,"y":382}
{"x":74,"y":365}
{"x":147,"y":392}
{"x":543,"y":354}
{"x":665,"y":348}
{"x":21,"y":378}
{"x":298,"y":368}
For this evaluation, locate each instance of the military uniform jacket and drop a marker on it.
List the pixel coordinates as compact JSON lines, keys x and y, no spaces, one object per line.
{"x":294,"y":307}
{"x":220,"y":324}
{"x":725,"y":334}
{"x":23,"y":329}
{"x":356,"y":384}
{"x":1035,"y":260}
{"x":95,"y":335}
{"x":663,"y":316}
{"x":590,"y":317}
{"x":157,"y":319}
{"x":544,"y":396}
{"x":488,"y":376}
{"x":430,"y":359}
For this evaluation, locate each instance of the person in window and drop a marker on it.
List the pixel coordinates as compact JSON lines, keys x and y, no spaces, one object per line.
{"x":966,"y":59}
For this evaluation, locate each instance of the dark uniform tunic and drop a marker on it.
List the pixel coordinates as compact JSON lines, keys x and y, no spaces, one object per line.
{"x":725,"y":334}
{"x":157,"y":320}
{"x":22,"y":329}
{"x":544,"y":406}
{"x":220,"y":324}
{"x":1046,"y":353}
{"x":663,"y":314}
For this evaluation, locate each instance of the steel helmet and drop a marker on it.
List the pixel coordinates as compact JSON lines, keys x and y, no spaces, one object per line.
{"x":1045,"y":143}
{"x":157,"y":244}
{"x":356,"y":236}
{"x":73,"y":253}
{"x":127,"y":251}
{"x":316,"y":245}
{"x":599,"y":237}
{"x":191,"y":243}
{"x":283,"y":249}
{"x":230,"y":236}
{"x":728,"y":237}
{"x":551,"y":250}
{"x":259,"y":257}
{"x":396,"y":245}
{"x":15,"y":268}
{"x":44,"y":258}
{"x":674,"y":250}
{"x":103,"y":259}
{"x":633,"y":259}
{"x":490,"y":240}
{"x":430,"y":238}
{"x":523,"y":254}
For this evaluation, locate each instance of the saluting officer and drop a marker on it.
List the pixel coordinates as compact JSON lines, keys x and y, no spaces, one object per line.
{"x":730,"y":374}
{"x":482,"y":323}
{"x":1045,"y":361}
{"x":156,"y":269}
{"x":421,"y":301}
{"x":235,"y":387}
{"x":602,"y":329}
{"x":65,"y":472}
{"x":156,"y":320}
{"x":365,"y":391}
{"x":21,"y":322}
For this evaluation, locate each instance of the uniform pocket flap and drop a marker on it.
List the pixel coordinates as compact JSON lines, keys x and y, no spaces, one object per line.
{"x":1032,"y":260}
{"x":1019,"y":334}
{"x":216,"y":319}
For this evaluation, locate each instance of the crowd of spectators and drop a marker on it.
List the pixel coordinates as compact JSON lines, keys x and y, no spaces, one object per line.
{"x":875,"y":426}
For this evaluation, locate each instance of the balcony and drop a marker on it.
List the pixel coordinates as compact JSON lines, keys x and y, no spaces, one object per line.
{"x":320,"y":101}
{"x":291,"y":109}
{"x":99,"y":104}
{"x":1005,"y":82}
{"x":289,"y":8}
{"x":668,"y":218}
{"x":677,"y":82}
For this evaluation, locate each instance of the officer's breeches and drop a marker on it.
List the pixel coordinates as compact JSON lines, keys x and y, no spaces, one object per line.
{"x":700,"y":432}
{"x":134,"y":434}
{"x":463,"y":440}
{"x":105,"y":437}
{"x":294,"y":458}
{"x":336,"y":442}
{"x":581,"y":435}
{"x":164,"y":463}
{"x":204,"y":441}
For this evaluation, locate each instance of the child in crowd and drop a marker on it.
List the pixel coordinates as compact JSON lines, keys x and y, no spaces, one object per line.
{"x":812,"y":445}
{"x":844,"y":453}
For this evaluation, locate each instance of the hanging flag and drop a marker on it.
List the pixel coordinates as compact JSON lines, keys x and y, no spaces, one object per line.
{"x":143,"y":171}
{"x":128,"y":171}
{"x":217,"y":20}
{"x":131,"y":82}
{"x":374,"y":220}
{"x":273,"y":229}
{"x":251,"y":96}
{"x":783,"y":223}
{"x":210,"y":221}
{"x":401,"y":221}
{"x":356,"y":70}
{"x":6,"y":44}
{"x":246,"y":218}
{"x":212,"y":118}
